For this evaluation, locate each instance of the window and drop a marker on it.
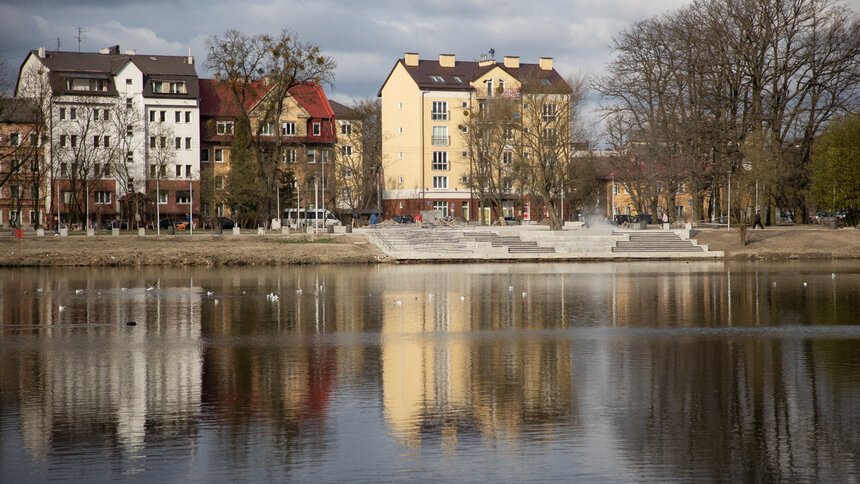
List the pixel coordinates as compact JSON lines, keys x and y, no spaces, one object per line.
{"x":549,"y":134}
{"x":164,"y":142}
{"x":266,"y":129}
{"x":73,"y":113}
{"x":288,"y":129}
{"x":95,"y":114}
{"x":187,"y":171}
{"x":129,"y":157}
{"x":400,"y":180}
{"x":178,"y":170}
{"x":507,"y":183}
{"x":102,"y":198}
{"x":187,"y":143}
{"x":346,"y":129}
{"x":440,"y":136}
{"x":204,"y":155}
{"x":441,"y":207}
{"x":440,"y":182}
{"x":464,"y":179}
{"x":346,"y":150}
{"x":187,"y":116}
{"x":152,"y":116}
{"x":508,"y":133}
{"x":507,"y":157}
{"x":458,"y":80}
{"x":178,"y":116}
{"x":152,"y":142}
{"x":399,"y":106}
{"x":464,"y":129}
{"x":317,"y":129}
{"x":178,"y":142}
{"x":219,"y":155}
{"x":128,"y":82}
{"x":106,"y":141}
{"x":63,"y":140}
{"x":95,"y":141}
{"x":290,"y":155}
{"x":439,"y":111}
{"x":400,"y":130}
{"x":501,"y":85}
{"x":130,"y":185}
{"x":128,"y":102}
{"x":437,"y":79}
{"x":549,"y":112}
{"x":219,"y":182}
{"x":129,"y":130}
{"x":105,"y":114}
{"x":15,"y":139}
{"x":162,"y":197}
{"x":164,"y":87}
{"x":152,"y":172}
{"x":440,"y":160}
{"x":399,"y":155}
{"x":465,"y":154}
{"x":311,"y":156}
{"x":225,"y":127}
{"x":489,"y":87}
{"x":62,"y":113}
{"x":162,"y":116}
{"x":73,"y":139}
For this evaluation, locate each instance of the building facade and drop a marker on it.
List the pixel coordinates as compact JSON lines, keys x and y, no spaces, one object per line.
{"x":22,"y":184}
{"x":301,"y":141}
{"x":123,"y":131}
{"x":426,"y":108}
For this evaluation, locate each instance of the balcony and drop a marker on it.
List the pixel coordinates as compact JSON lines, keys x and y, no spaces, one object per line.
{"x":441,"y":140}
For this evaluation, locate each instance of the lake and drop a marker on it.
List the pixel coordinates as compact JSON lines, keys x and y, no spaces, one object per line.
{"x":596,"y":372}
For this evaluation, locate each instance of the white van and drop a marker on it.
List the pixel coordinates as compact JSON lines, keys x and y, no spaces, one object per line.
{"x":306,"y":218}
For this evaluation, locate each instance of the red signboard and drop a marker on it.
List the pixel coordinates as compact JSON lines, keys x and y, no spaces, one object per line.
{"x":19,"y":233}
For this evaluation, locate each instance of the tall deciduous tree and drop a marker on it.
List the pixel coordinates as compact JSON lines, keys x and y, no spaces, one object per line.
{"x":835,"y":168}
{"x":359,"y":167}
{"x":265,"y":68}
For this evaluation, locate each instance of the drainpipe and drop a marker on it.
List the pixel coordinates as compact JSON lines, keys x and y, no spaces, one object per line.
{"x":421,"y":160}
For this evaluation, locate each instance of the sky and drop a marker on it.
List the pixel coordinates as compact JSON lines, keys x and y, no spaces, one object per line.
{"x":364,"y":37}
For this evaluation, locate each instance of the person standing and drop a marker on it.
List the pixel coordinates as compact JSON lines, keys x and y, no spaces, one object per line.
{"x":665,"y":219}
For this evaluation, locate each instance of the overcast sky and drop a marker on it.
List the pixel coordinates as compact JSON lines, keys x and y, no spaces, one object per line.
{"x":364,"y":37}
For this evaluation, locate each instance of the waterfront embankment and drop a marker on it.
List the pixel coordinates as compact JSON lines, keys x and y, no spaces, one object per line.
{"x":772,"y":243}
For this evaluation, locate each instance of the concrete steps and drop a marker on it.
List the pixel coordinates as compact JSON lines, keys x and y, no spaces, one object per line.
{"x":655,"y":242}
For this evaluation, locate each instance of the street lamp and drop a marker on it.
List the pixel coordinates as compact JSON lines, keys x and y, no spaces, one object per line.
{"x":730,"y":200}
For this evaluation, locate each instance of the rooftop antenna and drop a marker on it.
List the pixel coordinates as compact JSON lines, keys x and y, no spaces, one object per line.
{"x":58,"y":44}
{"x":80,"y":36}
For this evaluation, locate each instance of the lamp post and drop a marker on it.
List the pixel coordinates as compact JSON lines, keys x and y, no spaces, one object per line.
{"x":730,"y":201}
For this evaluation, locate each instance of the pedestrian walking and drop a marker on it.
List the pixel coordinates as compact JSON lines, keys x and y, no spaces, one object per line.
{"x":757,"y":222}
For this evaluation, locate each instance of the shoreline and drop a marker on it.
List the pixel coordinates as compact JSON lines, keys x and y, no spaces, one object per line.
{"x":129,"y":250}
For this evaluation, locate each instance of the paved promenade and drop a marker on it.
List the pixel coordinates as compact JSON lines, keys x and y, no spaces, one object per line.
{"x":533,"y":242}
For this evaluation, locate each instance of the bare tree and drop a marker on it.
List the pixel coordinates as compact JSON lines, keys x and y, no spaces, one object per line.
{"x":358,"y":163}
{"x":264,"y":68}
{"x":125,"y":123}
{"x":160,"y":156}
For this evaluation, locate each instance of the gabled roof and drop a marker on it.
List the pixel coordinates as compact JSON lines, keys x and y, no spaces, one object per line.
{"x":217,"y":100}
{"x":312,"y":97}
{"x":429,"y":74}
{"x":103,"y":66}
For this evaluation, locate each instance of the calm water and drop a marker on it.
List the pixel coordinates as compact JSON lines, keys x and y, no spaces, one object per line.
{"x":610,"y":372}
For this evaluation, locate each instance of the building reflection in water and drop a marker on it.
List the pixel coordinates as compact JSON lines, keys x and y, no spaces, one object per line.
{"x":703,"y":370}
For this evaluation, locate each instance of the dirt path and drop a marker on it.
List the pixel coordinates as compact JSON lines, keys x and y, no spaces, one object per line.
{"x":197,"y":250}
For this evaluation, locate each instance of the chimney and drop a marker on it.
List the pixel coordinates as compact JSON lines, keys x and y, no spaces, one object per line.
{"x":447,"y":60}
{"x":114,"y":49}
{"x":130,"y":52}
{"x":512,"y":62}
{"x":411,"y":59}
{"x":104,"y":51}
{"x":190,"y":59}
{"x":41,"y":52}
{"x":545,"y":63}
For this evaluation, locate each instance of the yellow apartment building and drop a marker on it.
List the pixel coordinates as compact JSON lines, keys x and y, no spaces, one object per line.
{"x":426,"y":105}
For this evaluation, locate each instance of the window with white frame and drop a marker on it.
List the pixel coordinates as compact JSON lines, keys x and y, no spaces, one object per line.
{"x":549,"y":111}
{"x":441,"y":207}
{"x":346,"y":150}
{"x":440,"y":136}
{"x":178,"y":170}
{"x":187,"y":116}
{"x":317,"y":129}
{"x":346,"y":129}
{"x":162,"y":197}
{"x":440,"y":181}
{"x":178,"y":143}
{"x":288,"y":129}
{"x":312,"y":156}
{"x":290,"y":155}
{"x":507,"y":157}
{"x":102,"y":197}
{"x":549,"y":134}
{"x":219,"y":155}
{"x":183,"y":197}
{"x":266,"y":129}
{"x":439,"y":111}
{"x":225,"y":127}
{"x":440,"y":160}
{"x":187,"y":143}
{"x":177,"y":117}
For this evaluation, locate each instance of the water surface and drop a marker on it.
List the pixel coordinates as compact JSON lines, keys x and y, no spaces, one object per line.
{"x":605,"y":372}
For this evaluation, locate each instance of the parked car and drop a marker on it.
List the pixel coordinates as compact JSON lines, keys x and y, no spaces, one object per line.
{"x":403,"y":219}
{"x":643,"y":217}
{"x":225,"y":223}
{"x":512,"y":221}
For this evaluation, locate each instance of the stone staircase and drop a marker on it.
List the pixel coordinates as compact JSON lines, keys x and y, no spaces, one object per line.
{"x":655,"y":242}
{"x":513,"y":243}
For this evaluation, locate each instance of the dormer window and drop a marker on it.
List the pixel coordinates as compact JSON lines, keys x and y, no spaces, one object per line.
{"x":317,"y":129}
{"x":437,"y":79}
{"x":168,"y":87}
{"x":86,"y":84}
